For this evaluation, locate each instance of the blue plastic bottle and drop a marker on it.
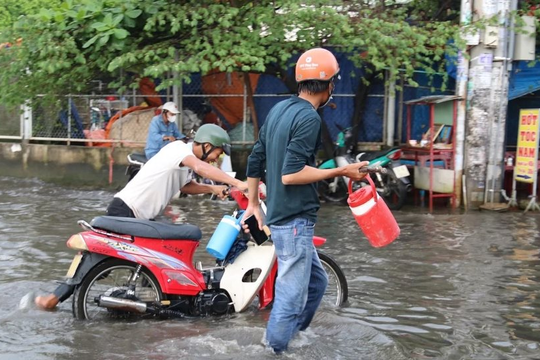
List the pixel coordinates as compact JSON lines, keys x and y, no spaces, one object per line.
{"x":221,"y":241}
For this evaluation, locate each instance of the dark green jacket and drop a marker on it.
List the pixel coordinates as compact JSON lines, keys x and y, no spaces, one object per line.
{"x":288,"y":141}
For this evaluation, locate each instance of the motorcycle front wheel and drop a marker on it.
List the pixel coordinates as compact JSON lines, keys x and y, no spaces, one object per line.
{"x":337,"y":290}
{"x":333,"y":190}
{"x":132,"y":171}
{"x":111,"y":278}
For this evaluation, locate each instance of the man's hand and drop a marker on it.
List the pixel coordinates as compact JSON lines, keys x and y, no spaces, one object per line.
{"x":255,"y":211}
{"x":352,"y":170}
{"x":169,"y":138}
{"x":222,"y":191}
{"x":242,"y":186}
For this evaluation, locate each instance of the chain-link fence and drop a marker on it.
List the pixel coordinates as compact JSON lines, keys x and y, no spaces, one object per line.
{"x":237,"y":102}
{"x":10,"y":122}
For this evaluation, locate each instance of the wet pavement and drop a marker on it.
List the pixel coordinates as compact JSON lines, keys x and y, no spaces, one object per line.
{"x":453,"y":286}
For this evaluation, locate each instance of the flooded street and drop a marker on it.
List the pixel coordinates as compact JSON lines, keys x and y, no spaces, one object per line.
{"x":451,"y":287}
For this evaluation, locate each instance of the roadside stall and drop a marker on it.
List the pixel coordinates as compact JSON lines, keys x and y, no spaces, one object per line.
{"x":431,"y":154}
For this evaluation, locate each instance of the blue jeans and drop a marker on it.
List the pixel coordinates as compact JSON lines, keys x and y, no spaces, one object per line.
{"x":300,"y":284}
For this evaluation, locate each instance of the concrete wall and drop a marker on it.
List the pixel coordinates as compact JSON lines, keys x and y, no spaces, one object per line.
{"x":80,"y":166}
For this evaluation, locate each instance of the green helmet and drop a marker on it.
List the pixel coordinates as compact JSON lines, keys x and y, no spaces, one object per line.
{"x":215,"y":135}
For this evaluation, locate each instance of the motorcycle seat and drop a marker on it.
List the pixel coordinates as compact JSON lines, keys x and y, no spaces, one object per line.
{"x":370,"y":155}
{"x":146,"y":228}
{"x":138,"y":157}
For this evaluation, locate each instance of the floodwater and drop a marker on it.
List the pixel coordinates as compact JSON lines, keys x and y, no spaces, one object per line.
{"x":453,"y":286}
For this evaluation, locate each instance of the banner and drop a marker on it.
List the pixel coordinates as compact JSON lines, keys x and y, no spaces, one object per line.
{"x":527,"y":146}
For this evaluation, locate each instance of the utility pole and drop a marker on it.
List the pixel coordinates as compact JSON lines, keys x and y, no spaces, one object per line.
{"x":462,"y":80}
{"x":487,"y":99}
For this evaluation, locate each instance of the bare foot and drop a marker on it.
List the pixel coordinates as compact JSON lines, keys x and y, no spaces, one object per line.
{"x":47,"y":302}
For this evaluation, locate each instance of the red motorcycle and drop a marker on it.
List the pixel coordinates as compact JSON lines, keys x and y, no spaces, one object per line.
{"x":131,"y":267}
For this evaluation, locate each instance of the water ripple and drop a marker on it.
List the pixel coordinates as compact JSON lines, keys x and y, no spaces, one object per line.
{"x":451,"y":287}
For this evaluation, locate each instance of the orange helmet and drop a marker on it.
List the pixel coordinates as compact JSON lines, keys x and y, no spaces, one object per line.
{"x":316,"y":64}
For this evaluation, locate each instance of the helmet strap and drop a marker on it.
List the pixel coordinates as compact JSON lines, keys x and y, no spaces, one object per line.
{"x":331,"y":87}
{"x":206,"y":153}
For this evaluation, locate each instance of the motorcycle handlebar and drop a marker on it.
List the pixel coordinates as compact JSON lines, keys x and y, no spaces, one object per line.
{"x":241,"y":198}
{"x":372,"y":169}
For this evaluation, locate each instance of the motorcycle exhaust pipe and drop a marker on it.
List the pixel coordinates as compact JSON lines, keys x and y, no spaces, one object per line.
{"x":121,"y":304}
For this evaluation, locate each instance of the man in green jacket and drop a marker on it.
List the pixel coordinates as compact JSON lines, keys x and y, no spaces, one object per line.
{"x":286,"y":149}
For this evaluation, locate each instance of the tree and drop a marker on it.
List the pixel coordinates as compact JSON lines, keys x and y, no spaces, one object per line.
{"x":66,"y":45}
{"x":11,"y":10}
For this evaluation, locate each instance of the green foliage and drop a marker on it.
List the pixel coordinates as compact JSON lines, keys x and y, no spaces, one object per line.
{"x":11,"y":10}
{"x":66,"y":46}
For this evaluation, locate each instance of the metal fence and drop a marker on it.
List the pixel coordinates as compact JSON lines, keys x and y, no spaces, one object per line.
{"x":239,"y":106}
{"x":10,"y":123}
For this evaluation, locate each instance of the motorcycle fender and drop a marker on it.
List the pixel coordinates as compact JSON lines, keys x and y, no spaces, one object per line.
{"x":377,"y":162}
{"x":266,"y":293}
{"x":328,"y":164}
{"x":174,"y":276}
{"x":318,"y":241}
{"x":88,"y":262}
{"x":254,"y":259}
{"x":343,"y":160}
{"x":404,"y":179}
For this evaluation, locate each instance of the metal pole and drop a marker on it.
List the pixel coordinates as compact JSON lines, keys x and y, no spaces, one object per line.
{"x":69,"y":120}
{"x":391,"y":113}
{"x":22,"y":122}
{"x":400,"y":113}
{"x":26,"y":121}
{"x":461,"y":91}
{"x":493,"y":161}
{"x":533,"y":204}
{"x":431,"y":140}
{"x":177,"y":91}
{"x":385,"y":109}
{"x":409,"y":109}
{"x":502,"y":112}
{"x":134,"y":98}
{"x":244,"y":123}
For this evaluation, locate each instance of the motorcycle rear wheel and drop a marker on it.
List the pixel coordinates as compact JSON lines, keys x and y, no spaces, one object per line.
{"x":112,"y":275}
{"x":395,"y":190}
{"x":337,"y":291}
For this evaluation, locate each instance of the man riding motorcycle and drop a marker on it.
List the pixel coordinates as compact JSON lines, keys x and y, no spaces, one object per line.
{"x":163,"y":130}
{"x":159,"y":180}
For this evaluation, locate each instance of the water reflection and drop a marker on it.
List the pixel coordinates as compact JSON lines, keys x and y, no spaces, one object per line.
{"x":452,"y":287}
{"x":520,"y":286}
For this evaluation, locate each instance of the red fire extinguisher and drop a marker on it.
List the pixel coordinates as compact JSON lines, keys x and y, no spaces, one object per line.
{"x":372,"y":215}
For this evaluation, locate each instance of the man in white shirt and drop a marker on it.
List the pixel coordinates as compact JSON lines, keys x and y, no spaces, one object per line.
{"x":149,"y":192}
